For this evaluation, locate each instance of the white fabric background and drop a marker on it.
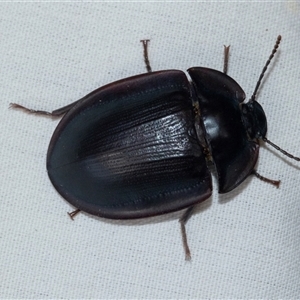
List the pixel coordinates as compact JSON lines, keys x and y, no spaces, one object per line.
{"x":245,"y":244}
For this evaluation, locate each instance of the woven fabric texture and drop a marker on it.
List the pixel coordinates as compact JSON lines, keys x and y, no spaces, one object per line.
{"x":244,"y":244}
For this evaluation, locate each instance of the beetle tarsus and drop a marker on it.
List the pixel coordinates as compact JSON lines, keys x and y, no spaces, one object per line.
{"x":146,"y":57}
{"x":29,"y":110}
{"x":271,"y":181}
{"x":55,"y":113}
{"x":33,"y":111}
{"x":73,"y":214}
{"x":226,"y":58}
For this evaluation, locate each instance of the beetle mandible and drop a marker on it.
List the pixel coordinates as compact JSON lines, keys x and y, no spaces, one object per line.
{"x":141,"y":146}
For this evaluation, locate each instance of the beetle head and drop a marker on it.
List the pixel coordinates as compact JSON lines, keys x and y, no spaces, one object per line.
{"x":254,"y":119}
{"x":253,"y":115}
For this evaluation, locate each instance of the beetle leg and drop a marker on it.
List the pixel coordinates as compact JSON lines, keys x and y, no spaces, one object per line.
{"x":226,"y":58}
{"x":55,"y":113}
{"x":29,"y":110}
{"x":271,"y":181}
{"x":146,"y":58}
{"x":73,"y":213}
{"x":183,"y":220}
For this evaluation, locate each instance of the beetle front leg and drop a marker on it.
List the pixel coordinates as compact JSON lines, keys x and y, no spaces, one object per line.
{"x":226,"y":59}
{"x":183,"y":220}
{"x":265,"y":179}
{"x":146,"y":58}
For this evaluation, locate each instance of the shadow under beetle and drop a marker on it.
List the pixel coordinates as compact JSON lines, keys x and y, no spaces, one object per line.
{"x":140,"y":146}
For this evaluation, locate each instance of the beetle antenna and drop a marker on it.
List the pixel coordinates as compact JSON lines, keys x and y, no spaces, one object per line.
{"x":266,"y":67}
{"x":281,"y":150}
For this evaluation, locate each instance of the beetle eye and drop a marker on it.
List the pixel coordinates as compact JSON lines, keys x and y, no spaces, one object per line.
{"x":254,"y":119}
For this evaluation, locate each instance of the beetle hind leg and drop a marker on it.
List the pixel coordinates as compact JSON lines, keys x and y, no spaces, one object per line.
{"x":146,"y":57}
{"x":55,"y":113}
{"x":29,"y":110}
{"x":183,"y":220}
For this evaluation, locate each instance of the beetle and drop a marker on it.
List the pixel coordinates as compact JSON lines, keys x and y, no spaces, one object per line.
{"x":141,"y":146}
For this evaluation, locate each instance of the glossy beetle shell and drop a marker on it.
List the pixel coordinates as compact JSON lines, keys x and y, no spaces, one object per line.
{"x":233,"y":153}
{"x":132,"y":149}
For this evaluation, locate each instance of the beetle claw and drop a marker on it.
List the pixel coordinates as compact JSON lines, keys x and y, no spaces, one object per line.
{"x":73,"y":214}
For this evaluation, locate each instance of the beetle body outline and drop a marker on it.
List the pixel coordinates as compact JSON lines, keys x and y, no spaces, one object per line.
{"x":147,"y":140}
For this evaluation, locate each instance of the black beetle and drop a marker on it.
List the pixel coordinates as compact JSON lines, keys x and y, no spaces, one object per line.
{"x":140,"y":146}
